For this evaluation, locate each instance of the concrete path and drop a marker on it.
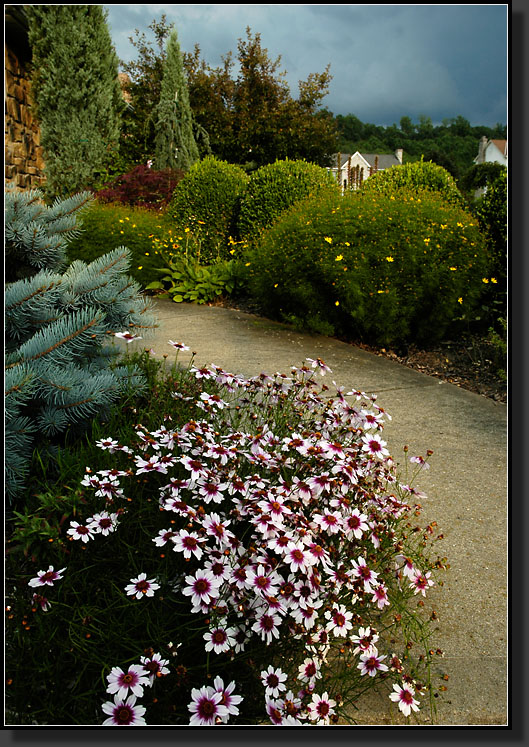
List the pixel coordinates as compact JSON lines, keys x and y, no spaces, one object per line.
{"x":466,"y":486}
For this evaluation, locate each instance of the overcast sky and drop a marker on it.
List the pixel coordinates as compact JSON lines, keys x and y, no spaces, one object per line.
{"x":387,"y":61}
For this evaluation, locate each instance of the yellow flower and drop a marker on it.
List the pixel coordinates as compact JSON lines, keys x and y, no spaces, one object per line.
{"x":453,"y":269}
{"x":380,"y":291}
{"x":389,"y":259}
{"x":459,"y":300}
{"x":146,"y":254}
{"x":459,"y":224}
{"x":140,"y":267}
{"x":121,"y":220}
{"x":427,"y":241}
{"x":275,"y":285}
{"x":327,"y":239}
{"x":444,"y":226}
{"x":338,"y":258}
{"x":485,"y":280}
{"x":336,"y":303}
{"x":493,"y":280}
{"x":347,"y":243}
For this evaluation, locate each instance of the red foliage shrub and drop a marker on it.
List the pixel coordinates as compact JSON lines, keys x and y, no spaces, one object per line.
{"x":142,"y":187}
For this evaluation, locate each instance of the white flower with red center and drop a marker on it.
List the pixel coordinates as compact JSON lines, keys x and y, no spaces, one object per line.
{"x":154,"y":667}
{"x":421,"y":461}
{"x":374,"y":445}
{"x":216,"y":527}
{"x":380,"y":596}
{"x":120,"y":682}
{"x":188,"y":543}
{"x":80,"y":531}
{"x":229,"y":700}
{"x":360,"y":570}
{"x":321,"y":708}
{"x":320,"y":366}
{"x":263,"y":581}
{"x":330,"y":522}
{"x":355,"y":524}
{"x":141,"y":586}
{"x":219,"y":567}
{"x":107,"y":443}
{"x":267,"y":626}
{"x":307,"y":614}
{"x":42,"y":602}
{"x":319,"y":483}
{"x":276,"y":509}
{"x":403,"y":695}
{"x":371,"y":663}
{"x":153,"y":464}
{"x":408,"y":568}
{"x":103,"y":523}
{"x":339,"y":620}
{"x":317,"y":552}
{"x":220,"y":639}
{"x":298,"y":557}
{"x":178,"y":345}
{"x":46,"y":578}
{"x":124,"y":712}
{"x":206,"y":707}
{"x":211,"y":490}
{"x":274,"y":711}
{"x":309,"y":672}
{"x":127,"y":336}
{"x":217,"y":451}
{"x":301,"y":489}
{"x":203,"y":588}
{"x":421,"y":582}
{"x":163,"y":537}
{"x":365,"y":640}
{"x":212,"y":400}
{"x":196,"y":468}
{"x":273,"y":680}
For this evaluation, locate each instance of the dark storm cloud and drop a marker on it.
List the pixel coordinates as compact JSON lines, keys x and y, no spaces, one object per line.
{"x":387,"y":61}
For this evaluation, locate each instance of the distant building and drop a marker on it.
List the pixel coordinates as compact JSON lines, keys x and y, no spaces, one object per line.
{"x":352,"y":169}
{"x":492,"y":151}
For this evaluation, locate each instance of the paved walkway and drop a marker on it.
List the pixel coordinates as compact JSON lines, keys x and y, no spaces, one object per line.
{"x":466,"y":486}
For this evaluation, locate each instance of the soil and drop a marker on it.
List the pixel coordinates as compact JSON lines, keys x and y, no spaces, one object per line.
{"x":467,"y":362}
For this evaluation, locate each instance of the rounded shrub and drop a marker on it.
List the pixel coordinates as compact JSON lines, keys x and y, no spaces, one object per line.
{"x":275,"y":187}
{"x":416,"y":176}
{"x":371,"y":267}
{"x":207,"y":200}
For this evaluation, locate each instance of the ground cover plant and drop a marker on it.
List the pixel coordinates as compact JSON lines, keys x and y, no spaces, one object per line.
{"x":221,"y":550}
{"x":382,"y":269}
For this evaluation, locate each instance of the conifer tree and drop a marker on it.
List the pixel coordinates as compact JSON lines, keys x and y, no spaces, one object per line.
{"x":59,"y":370}
{"x":76,"y":92}
{"x":175,"y":143}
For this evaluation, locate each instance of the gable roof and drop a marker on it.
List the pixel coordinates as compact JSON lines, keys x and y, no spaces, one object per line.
{"x":385,"y":160}
{"x":501,"y":145}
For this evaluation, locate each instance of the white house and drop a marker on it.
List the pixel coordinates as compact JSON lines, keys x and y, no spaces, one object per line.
{"x":352,"y":169}
{"x":492,"y":151}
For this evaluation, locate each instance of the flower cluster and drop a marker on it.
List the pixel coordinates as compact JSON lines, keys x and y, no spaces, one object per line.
{"x":284,"y":512}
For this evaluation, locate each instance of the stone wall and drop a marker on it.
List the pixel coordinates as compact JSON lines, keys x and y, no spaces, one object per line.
{"x":24,"y":164}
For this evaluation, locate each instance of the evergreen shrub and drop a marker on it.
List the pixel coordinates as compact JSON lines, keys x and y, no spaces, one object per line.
{"x":415,"y":176}
{"x":59,"y":371}
{"x":273,"y":188}
{"x":142,"y":187}
{"x":207,"y":201}
{"x":371,"y":267}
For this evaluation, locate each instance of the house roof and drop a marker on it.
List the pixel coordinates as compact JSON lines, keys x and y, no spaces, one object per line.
{"x":385,"y":160}
{"x":501,"y":145}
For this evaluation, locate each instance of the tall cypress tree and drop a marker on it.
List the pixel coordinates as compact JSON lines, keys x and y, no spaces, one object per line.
{"x":175,"y":142}
{"x":76,"y":92}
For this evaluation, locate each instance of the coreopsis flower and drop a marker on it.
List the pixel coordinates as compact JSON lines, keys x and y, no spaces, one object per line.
{"x":374,"y":445}
{"x":178,"y":345}
{"x":219,"y":639}
{"x":309,"y":672}
{"x":421,"y":461}
{"x":339,"y":620}
{"x":380,"y":596}
{"x":371,"y":663}
{"x":154,"y":666}
{"x":188,"y":543}
{"x":46,"y":578}
{"x":420,"y":582}
{"x":403,"y":695}
{"x":202,"y":588}
{"x":273,"y":679}
{"x":80,"y":531}
{"x":120,"y":682}
{"x":355,"y":524}
{"x":320,"y":366}
{"x":42,"y":602}
{"x":365,"y":640}
{"x":124,"y":712}
{"x":206,"y":707}
{"x":321,"y":708}
{"x":103,"y":523}
{"x":229,"y":700}
{"x":267,"y":626}
{"x":163,"y":537}
{"x":263,"y":581}
{"x":127,"y":336}
{"x":360,"y":570}
{"x":140,"y":586}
